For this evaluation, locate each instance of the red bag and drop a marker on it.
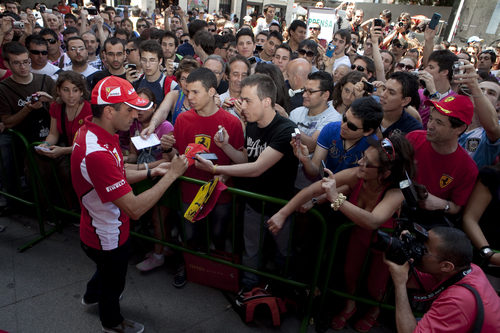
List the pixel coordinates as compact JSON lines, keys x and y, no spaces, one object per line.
{"x":213,"y":274}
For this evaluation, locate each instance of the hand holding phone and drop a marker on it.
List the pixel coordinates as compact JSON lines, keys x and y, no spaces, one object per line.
{"x":434,"y":21}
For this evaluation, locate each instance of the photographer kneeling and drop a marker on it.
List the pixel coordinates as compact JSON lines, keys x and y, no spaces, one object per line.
{"x":447,"y":275}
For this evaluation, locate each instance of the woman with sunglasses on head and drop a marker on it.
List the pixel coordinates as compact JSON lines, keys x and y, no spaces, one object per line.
{"x":347,"y":90}
{"x":369,"y":196}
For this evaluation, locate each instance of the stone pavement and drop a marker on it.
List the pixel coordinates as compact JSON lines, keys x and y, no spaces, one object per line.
{"x":40,"y":291}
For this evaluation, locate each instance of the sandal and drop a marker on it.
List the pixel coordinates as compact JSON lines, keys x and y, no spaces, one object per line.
{"x":339,"y":321}
{"x":365,"y":324}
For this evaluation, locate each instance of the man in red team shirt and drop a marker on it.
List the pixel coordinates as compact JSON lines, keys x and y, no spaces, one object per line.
{"x":106,"y":198}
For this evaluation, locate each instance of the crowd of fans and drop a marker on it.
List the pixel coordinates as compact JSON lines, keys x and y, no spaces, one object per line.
{"x":373,"y":106}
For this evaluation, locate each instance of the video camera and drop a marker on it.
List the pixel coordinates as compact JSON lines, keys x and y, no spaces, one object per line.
{"x":401,"y":247}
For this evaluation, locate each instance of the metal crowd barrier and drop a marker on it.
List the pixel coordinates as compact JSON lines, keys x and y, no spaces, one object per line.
{"x":309,"y":286}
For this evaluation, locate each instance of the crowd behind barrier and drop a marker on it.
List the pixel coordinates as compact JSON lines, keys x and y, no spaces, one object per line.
{"x":356,"y":126}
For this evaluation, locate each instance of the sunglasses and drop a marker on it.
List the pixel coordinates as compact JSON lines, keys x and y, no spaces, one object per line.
{"x":211,"y":30}
{"x":399,"y":46}
{"x":314,"y":28}
{"x":358,"y":67}
{"x":141,"y":26}
{"x":388,"y":147}
{"x":184,"y":41}
{"x":130,"y":50}
{"x":51,"y":41}
{"x":36,"y":52}
{"x":403,"y":66}
{"x":350,"y":125}
{"x":303,"y":52}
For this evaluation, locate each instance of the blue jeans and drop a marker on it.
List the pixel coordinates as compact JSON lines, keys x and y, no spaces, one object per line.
{"x":108,"y":282}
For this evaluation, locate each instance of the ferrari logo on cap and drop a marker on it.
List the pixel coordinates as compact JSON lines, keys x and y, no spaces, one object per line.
{"x":442,"y":109}
{"x":449,"y":99}
{"x":445,"y":180}
{"x":113,"y":91}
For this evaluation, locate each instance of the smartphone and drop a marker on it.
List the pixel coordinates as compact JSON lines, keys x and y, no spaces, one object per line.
{"x":297,"y":136}
{"x":325,"y":174}
{"x":330,"y":50}
{"x":208,"y":156}
{"x":220,"y":134}
{"x":378,"y":22}
{"x":368,"y":87}
{"x":92,"y":10}
{"x":132,"y":66}
{"x":456,"y":67}
{"x":434,"y":21}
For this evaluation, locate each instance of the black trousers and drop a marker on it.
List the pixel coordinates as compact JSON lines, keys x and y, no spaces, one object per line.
{"x":108,"y":282}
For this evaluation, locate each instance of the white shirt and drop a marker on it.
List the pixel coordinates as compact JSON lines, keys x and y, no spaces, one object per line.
{"x":341,"y":61}
{"x":225,"y":96}
{"x":308,"y":125}
{"x":49,"y":70}
{"x":87,"y":72}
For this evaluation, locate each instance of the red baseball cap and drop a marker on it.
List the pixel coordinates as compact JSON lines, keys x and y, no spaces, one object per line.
{"x":114,"y":90}
{"x":457,"y":106}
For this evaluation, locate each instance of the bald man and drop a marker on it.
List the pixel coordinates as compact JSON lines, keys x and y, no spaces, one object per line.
{"x":297,"y":70}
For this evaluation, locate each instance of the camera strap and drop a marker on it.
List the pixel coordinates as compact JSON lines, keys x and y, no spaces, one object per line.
{"x":436,"y":292}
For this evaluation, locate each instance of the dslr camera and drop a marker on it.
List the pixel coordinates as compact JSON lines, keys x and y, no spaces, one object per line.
{"x":401,"y":247}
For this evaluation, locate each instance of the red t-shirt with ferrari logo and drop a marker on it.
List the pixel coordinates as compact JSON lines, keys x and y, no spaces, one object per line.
{"x":190,"y":127}
{"x":449,"y":177}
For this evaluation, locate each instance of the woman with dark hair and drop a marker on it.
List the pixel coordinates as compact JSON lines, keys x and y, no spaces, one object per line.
{"x":368,"y":196}
{"x":67,"y":114}
{"x":347,"y":90}
{"x":282,"y":99}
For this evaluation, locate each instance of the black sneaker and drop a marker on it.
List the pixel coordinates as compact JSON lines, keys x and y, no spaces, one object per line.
{"x":180,"y":279}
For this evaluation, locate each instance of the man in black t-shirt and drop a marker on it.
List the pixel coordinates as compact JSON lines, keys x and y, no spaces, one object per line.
{"x":267,"y":164}
{"x":114,"y":55}
{"x":19,"y":109}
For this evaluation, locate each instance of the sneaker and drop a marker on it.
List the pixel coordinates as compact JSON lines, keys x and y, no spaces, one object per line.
{"x":127,"y":326}
{"x":180,"y":279}
{"x":151,"y":262}
{"x":87,"y":303}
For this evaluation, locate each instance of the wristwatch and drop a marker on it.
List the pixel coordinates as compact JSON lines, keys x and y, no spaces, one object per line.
{"x":447,"y":207}
{"x":436,"y":95}
{"x":485,"y":252}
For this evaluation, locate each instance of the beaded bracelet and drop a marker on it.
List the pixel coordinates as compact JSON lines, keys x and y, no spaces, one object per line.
{"x":338,"y":202}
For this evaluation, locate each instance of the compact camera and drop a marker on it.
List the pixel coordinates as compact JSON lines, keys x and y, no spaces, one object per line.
{"x":18,"y":25}
{"x":33,"y":98}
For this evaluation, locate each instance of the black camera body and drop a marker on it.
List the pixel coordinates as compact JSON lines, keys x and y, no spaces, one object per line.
{"x":402,"y":247}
